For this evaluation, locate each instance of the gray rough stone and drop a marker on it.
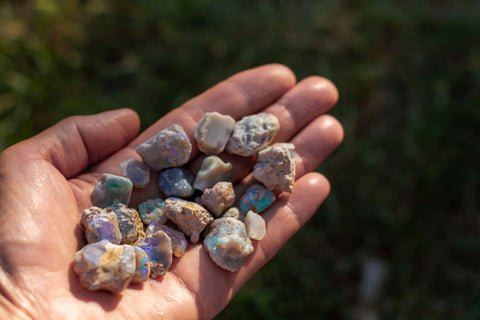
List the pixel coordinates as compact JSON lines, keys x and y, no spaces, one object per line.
{"x":252,"y":133}
{"x":275,"y":167}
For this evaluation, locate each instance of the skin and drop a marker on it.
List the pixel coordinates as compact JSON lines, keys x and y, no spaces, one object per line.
{"x":47,"y":180}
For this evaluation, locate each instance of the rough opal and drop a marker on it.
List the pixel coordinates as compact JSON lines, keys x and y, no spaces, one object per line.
{"x":252,"y":133}
{"x":255,"y":225}
{"x":152,"y":211}
{"x":257,"y":198}
{"x":212,"y":170}
{"x":218,"y":198}
{"x":179,"y":242}
{"x":213,"y":131}
{"x":233,"y":212}
{"x":111,"y":189}
{"x":136,"y":171}
{"x":142,"y":266}
{"x":105,"y":266}
{"x":176,"y":182}
{"x":129,"y":222}
{"x":189,"y":216}
{"x":227,"y":243}
{"x":170,"y":147}
{"x":100,"y":225}
{"x":275,"y":167}
{"x":158,"y":246}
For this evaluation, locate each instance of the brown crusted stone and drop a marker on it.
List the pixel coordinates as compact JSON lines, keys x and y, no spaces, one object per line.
{"x":275,"y":167}
{"x":219,"y":198}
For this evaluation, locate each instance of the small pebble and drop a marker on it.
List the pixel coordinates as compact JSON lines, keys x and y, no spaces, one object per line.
{"x":255,"y":225}
{"x":176,"y":182}
{"x":170,"y":147}
{"x":212,"y":170}
{"x":252,"y":133}
{"x":219,"y":197}
{"x":136,"y":171}
{"x":152,"y":211}
{"x":213,"y":131}
{"x":257,"y":198}
{"x":129,"y":222}
{"x":142,"y":266}
{"x":158,"y":246}
{"x":190,"y":217}
{"x":227,"y":243}
{"x":233,"y":212}
{"x":105,"y":266}
{"x":112,"y":189}
{"x":275,"y":167}
{"x":179,"y":242}
{"x":100,"y":225}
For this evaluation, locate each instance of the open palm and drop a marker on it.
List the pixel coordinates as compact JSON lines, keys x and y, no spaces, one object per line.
{"x":46,"y":180}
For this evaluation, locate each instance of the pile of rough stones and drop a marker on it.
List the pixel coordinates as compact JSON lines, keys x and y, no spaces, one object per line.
{"x":121,"y":250}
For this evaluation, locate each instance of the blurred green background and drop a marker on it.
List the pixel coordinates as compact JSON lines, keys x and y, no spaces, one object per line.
{"x":404,"y":182}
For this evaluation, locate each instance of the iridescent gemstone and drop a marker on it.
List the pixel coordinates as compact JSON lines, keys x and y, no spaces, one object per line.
{"x":257,"y":198}
{"x":112,"y":189}
{"x":179,"y":242}
{"x":170,"y":147}
{"x":252,"y":133}
{"x":100,"y":225}
{"x":105,"y":266}
{"x":218,"y":198}
{"x":227,"y":243}
{"x":255,"y":225}
{"x":152,"y":211}
{"x":142,"y":266}
{"x":275,"y":167}
{"x":136,"y":171}
{"x":129,"y":222}
{"x":212,"y":170}
{"x":213,"y":131}
{"x":190,"y":217}
{"x":176,"y":182}
{"x":158,"y":246}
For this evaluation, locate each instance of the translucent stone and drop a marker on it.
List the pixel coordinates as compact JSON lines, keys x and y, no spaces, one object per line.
{"x":170,"y":147}
{"x":213,"y":131}
{"x":255,"y":225}
{"x":176,"y":182}
{"x":190,"y":217}
{"x":105,"y":266}
{"x":233,"y":212}
{"x":252,"y":133}
{"x":152,"y":211}
{"x":158,"y":246}
{"x":179,"y":242}
{"x":257,"y":198}
{"x":129,"y":222}
{"x":136,"y":171}
{"x":212,"y":170}
{"x":142,"y":266}
{"x":218,"y":198}
{"x":275,"y":167}
{"x":100,"y":225}
{"x":227,"y":243}
{"x":112,"y":189}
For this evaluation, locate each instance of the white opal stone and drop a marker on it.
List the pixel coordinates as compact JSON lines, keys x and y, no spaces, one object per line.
{"x":255,"y":225}
{"x":212,"y":170}
{"x":213,"y":131}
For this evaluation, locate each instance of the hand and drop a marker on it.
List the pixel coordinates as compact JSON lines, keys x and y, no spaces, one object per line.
{"x":47,"y":180}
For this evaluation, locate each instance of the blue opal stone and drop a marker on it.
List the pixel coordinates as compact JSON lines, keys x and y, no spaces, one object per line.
{"x":136,"y":171}
{"x":158,"y":246}
{"x":100,"y":225}
{"x":179,"y":242}
{"x":227,"y":243}
{"x":257,"y":198}
{"x":142,"y":267}
{"x":152,"y":211}
{"x":176,"y":182}
{"x":112,"y":189}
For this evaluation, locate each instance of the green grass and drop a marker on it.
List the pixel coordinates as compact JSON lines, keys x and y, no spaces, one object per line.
{"x":405,"y":181}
